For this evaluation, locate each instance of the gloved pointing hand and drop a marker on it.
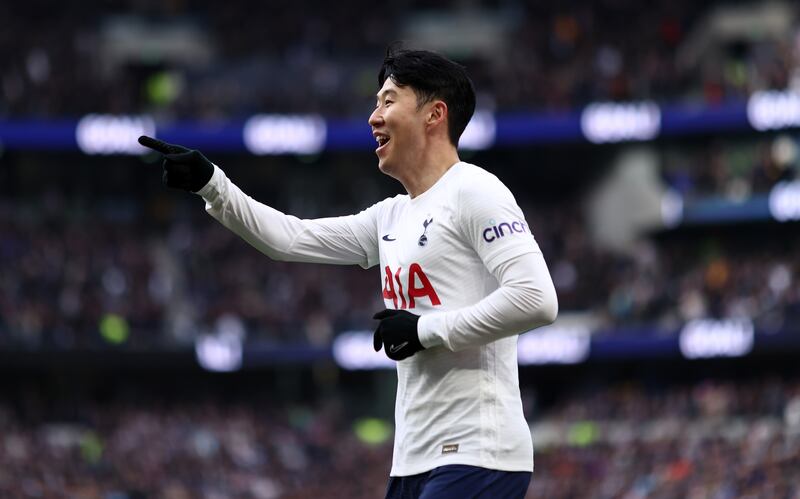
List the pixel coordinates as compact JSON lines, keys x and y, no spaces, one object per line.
{"x":397,"y":332}
{"x":184,"y":168}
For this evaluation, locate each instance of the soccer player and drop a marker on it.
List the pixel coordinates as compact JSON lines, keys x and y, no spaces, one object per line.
{"x":462,"y":277}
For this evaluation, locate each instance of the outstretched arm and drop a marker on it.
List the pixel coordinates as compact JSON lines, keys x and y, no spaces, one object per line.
{"x":339,"y":240}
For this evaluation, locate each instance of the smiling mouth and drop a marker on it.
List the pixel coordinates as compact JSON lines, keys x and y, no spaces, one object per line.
{"x":382,"y":140}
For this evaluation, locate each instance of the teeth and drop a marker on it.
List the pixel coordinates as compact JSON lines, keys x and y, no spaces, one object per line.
{"x":381,"y":139}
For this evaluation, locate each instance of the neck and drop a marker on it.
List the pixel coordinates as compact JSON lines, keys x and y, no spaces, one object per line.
{"x":424,"y":173}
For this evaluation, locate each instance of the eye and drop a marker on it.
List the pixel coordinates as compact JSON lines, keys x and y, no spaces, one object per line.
{"x":387,"y":102}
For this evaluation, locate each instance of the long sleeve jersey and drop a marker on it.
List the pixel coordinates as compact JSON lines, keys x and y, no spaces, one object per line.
{"x":461,"y":256}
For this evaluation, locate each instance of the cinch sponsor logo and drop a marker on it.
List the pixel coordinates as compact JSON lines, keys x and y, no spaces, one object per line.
{"x":496,"y":231}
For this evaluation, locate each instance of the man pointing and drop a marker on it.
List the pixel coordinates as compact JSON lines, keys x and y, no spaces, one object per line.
{"x":462,"y":277}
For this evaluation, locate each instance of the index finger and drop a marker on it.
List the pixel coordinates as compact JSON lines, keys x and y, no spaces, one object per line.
{"x":159,"y":145}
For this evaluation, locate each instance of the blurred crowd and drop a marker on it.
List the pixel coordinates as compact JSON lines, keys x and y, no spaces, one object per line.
{"x":113,"y":274}
{"x":90,"y":285}
{"x":95,"y":261}
{"x":58,"y":284}
{"x":78,"y":284}
{"x":117,"y":276}
{"x":663,"y":283}
{"x":189,"y":451}
{"x":730,"y":169}
{"x":709,"y":439}
{"x":209,"y":61}
{"x":708,"y":278}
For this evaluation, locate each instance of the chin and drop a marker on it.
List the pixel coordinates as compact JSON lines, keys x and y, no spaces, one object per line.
{"x":385,"y":166}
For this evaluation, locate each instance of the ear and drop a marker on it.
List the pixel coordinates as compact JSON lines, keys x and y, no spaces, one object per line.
{"x":437,"y":113}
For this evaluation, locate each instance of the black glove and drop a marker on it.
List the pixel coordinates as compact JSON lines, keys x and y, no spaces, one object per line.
{"x":184,"y":168}
{"x":397,"y":332}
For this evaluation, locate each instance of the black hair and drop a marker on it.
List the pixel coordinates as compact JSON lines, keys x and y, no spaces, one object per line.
{"x":432,"y":76}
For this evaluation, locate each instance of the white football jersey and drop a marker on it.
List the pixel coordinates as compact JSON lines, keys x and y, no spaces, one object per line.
{"x":440,"y":255}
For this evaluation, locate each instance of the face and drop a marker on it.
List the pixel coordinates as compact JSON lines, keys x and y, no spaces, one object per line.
{"x":398,"y":126}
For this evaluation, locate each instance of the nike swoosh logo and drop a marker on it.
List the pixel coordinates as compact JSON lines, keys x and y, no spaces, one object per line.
{"x":397,"y":348}
{"x":387,"y":238}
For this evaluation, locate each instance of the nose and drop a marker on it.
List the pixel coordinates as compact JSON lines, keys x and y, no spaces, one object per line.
{"x":376,"y":119}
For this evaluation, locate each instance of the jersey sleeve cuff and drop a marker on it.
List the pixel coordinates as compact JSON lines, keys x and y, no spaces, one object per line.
{"x":211,"y":190}
{"x":430,"y":328}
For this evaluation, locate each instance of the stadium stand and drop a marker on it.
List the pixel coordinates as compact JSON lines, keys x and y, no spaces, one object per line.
{"x":108,"y":280}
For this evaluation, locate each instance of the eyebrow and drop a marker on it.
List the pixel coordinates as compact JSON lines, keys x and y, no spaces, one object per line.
{"x":386,"y":92}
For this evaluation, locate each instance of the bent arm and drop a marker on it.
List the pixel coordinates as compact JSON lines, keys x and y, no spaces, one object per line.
{"x":525,"y":300}
{"x":337,"y":240}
